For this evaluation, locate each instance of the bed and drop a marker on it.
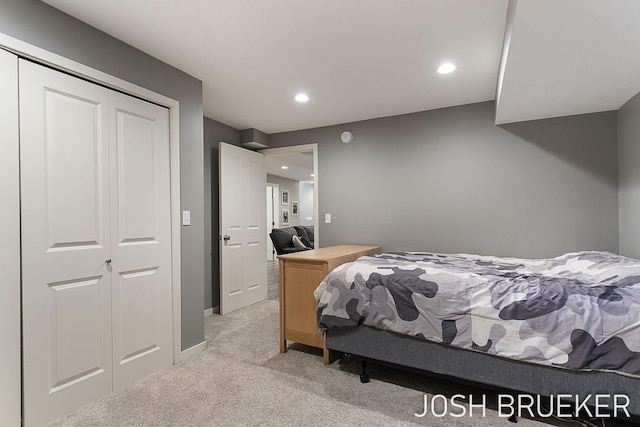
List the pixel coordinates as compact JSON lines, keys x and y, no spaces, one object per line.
{"x":568,"y":325}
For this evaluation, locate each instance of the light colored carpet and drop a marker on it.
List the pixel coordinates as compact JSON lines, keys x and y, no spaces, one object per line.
{"x":242,"y":380}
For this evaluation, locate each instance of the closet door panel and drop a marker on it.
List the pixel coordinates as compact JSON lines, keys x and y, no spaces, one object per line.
{"x":141,"y":236}
{"x":65,"y":242}
{"x":74,"y":323}
{"x":136,"y":178}
{"x":74,"y":195}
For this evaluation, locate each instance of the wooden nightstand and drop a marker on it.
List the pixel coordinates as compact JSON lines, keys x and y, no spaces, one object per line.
{"x":300,"y":275}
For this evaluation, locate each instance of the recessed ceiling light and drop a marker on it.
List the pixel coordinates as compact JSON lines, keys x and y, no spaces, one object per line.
{"x":284,"y":167}
{"x":312,"y":175}
{"x":446,"y":68}
{"x":302,"y":97}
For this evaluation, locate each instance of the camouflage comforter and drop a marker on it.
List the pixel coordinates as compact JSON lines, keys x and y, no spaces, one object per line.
{"x":580,"y":310}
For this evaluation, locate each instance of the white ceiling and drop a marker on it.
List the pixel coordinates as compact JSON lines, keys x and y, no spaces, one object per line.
{"x":299,"y":166}
{"x":364,"y":59}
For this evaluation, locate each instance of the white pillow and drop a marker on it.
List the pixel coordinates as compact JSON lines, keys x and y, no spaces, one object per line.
{"x":297,"y":242}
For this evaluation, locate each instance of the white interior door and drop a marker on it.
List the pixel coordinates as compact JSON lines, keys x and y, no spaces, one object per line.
{"x":272,"y":216}
{"x":269,"y":222}
{"x":10,"y":405}
{"x":243,"y":266}
{"x":140,"y":238}
{"x":64,"y":160}
{"x":96,"y":251}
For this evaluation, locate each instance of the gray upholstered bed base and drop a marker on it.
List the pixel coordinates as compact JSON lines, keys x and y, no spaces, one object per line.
{"x":496,"y":372}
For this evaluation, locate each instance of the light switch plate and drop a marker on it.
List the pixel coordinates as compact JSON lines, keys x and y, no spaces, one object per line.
{"x":186,"y":217}
{"x":327,"y":218}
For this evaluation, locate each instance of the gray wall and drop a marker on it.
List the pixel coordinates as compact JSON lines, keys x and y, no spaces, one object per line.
{"x":293,"y":187}
{"x":214,"y":133}
{"x":306,"y":203}
{"x":629,"y":177}
{"x":41,"y":25}
{"x":449,"y":180}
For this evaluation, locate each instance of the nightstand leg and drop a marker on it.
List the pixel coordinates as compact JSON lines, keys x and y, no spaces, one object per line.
{"x":326,"y":356}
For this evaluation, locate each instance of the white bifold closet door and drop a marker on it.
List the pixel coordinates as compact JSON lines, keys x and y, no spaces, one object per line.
{"x":96,"y":244}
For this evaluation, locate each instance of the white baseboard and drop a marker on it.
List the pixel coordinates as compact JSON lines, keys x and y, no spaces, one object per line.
{"x":192,"y":351}
{"x":208,"y":312}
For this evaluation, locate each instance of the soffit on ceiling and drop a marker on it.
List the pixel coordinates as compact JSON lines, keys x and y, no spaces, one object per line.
{"x":569,"y":57}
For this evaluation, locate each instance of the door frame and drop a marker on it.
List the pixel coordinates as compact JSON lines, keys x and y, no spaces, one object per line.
{"x":305,"y":148}
{"x":10,"y":387}
{"x":77,"y":69}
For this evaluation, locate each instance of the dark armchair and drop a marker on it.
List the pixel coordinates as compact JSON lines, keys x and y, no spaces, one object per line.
{"x":292,"y":239}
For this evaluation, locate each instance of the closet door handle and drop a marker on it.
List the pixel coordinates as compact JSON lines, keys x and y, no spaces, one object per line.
{"x":108,"y":261}
{"x":226,"y":238}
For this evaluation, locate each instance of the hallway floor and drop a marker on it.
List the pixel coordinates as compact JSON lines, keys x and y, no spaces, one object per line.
{"x":273,"y":280}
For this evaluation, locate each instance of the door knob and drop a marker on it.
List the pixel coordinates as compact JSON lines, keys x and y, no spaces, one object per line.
{"x":226,"y":237}
{"x":108,"y":261}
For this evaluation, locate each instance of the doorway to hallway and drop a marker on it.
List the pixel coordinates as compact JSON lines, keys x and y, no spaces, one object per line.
{"x":292,"y":198}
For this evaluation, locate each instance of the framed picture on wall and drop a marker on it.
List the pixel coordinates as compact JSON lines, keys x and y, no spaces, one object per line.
{"x":285,"y":197}
{"x":294,"y":208}
{"x":285,"y":217}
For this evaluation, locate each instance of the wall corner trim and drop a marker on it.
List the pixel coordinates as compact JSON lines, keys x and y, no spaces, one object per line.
{"x":192,"y":351}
